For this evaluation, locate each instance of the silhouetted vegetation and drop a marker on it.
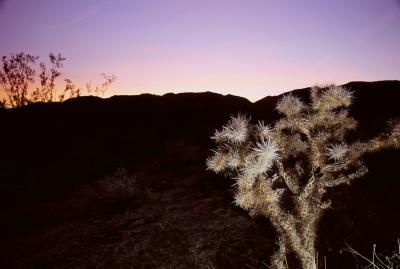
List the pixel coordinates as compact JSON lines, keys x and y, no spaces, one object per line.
{"x":17,"y":81}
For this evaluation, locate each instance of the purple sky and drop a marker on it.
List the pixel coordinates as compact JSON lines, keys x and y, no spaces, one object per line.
{"x":251,"y":48}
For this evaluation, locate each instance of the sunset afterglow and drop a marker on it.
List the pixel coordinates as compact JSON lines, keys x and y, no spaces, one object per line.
{"x":249,"y":48}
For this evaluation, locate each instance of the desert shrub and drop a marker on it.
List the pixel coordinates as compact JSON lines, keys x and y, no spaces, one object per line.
{"x":17,"y":81}
{"x":283,"y":171}
{"x":119,"y":185}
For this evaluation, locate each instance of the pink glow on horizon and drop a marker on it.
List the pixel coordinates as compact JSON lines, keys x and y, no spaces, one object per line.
{"x":249,"y":48}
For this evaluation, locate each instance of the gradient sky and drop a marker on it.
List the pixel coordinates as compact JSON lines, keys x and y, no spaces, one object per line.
{"x":250,"y":48}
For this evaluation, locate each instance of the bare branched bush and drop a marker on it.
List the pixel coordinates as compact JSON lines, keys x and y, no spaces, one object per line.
{"x":298,"y":159}
{"x":16,"y":77}
{"x":99,"y":90}
{"x":17,"y":81}
{"x":46,"y":91}
{"x":119,"y":185}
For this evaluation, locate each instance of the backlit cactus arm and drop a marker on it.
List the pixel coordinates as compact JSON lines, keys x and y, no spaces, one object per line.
{"x":233,"y":143}
{"x":348,"y":178}
{"x":347,"y":156}
{"x":289,"y":180}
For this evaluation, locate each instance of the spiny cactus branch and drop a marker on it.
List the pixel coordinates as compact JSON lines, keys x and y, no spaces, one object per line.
{"x":290,"y":182}
{"x":347,"y":179}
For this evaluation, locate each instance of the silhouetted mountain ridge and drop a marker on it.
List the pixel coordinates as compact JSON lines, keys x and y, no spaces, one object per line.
{"x":130,"y":127}
{"x":53,"y":155}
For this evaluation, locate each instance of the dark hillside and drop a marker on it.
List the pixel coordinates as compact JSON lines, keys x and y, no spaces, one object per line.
{"x":56,"y":214}
{"x":82,"y":139}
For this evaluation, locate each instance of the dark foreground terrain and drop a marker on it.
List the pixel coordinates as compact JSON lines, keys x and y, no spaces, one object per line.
{"x":62,"y":207}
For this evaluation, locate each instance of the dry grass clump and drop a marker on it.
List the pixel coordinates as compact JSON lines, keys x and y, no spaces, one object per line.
{"x":378,"y":260}
{"x":119,"y":185}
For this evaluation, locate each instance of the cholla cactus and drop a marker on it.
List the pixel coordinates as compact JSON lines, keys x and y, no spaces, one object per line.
{"x":304,"y":154}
